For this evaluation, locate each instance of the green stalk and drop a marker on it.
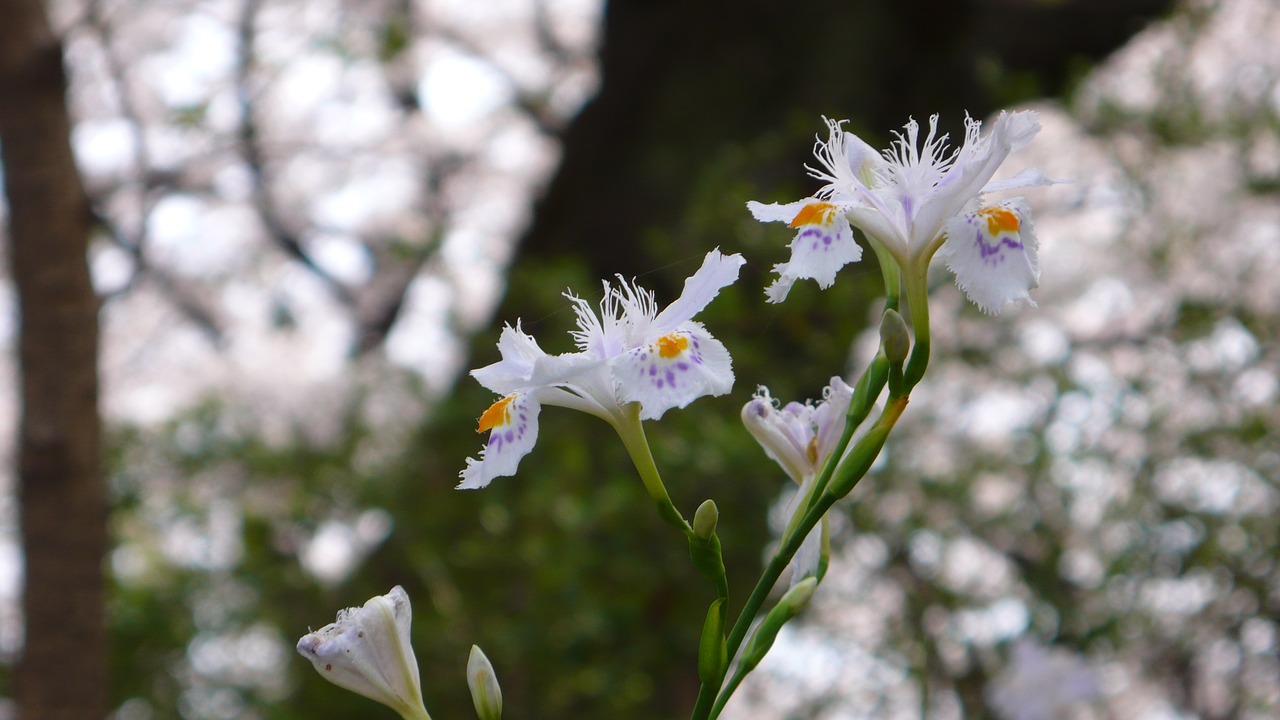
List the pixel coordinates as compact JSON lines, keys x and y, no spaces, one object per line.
{"x":918,"y":300}
{"x":631,"y":430}
{"x":864,"y":397}
{"x":889,"y":269}
{"x":849,"y":473}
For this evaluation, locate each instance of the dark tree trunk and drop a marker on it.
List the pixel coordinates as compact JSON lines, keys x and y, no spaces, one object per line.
{"x":63,"y":671}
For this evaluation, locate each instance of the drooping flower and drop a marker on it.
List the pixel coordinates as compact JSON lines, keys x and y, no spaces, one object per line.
{"x":993,"y":251}
{"x":801,"y":437}
{"x":367,"y":651}
{"x":913,"y":197}
{"x":630,"y":352}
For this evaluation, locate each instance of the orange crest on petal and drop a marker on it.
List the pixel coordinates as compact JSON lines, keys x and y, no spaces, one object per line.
{"x":817,"y":213}
{"x":496,"y":415}
{"x":672,"y":345}
{"x":1000,"y":220}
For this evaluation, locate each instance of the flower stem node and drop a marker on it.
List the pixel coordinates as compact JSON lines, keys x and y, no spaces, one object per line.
{"x":708,"y":558}
{"x":367,"y":651}
{"x":483,"y":682}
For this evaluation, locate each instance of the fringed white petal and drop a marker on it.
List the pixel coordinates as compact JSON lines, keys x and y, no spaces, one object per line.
{"x":512,"y":423}
{"x":718,"y":271}
{"x":673,"y":371}
{"x":823,"y":243}
{"x":992,"y":252}
{"x":777,"y":212}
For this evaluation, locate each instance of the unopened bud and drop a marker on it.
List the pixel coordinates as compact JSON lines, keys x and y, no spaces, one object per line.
{"x":485,"y":692}
{"x":705,"y":519}
{"x":712,"y":653}
{"x":894,"y":337}
{"x":788,"y":607}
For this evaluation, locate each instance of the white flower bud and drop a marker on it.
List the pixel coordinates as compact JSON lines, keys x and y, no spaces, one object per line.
{"x":485,"y":692}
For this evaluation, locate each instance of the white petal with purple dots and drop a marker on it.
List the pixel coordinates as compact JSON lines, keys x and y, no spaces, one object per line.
{"x":992,"y":251}
{"x":823,"y":243}
{"x":512,"y":423}
{"x":673,"y":371}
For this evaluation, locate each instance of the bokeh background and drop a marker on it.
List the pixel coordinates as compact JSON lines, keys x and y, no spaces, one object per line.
{"x":310,"y":217}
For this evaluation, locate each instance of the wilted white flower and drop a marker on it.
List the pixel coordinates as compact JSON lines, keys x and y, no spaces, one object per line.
{"x":801,"y":437}
{"x":367,"y":651}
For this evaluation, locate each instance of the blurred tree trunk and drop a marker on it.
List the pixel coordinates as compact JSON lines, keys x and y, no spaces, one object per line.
{"x":63,"y":670}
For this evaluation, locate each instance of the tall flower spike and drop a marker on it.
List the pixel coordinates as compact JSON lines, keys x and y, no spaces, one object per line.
{"x":367,"y":651}
{"x":629,"y":352}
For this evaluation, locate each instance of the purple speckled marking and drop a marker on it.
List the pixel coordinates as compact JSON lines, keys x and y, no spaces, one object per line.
{"x":816,"y":233}
{"x":988,"y":250}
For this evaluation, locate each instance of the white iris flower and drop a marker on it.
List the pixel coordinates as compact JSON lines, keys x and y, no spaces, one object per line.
{"x":913,"y":199}
{"x":630,"y":358}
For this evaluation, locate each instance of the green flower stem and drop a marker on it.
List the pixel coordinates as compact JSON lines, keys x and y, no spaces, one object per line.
{"x":631,"y":430}
{"x":864,"y":397}
{"x":845,"y":478}
{"x":918,"y":300}
{"x":864,"y":454}
{"x":892,"y":275}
